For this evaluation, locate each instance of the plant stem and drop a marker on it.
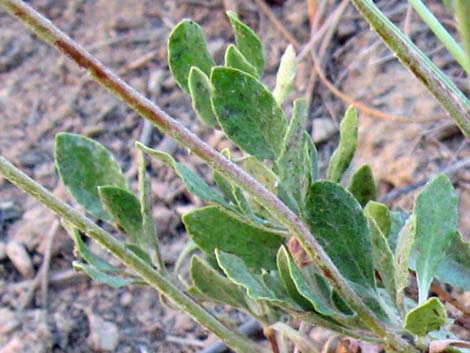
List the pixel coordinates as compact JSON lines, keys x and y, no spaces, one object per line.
{"x":462,"y":14}
{"x":441,"y":33}
{"x":435,"y":81}
{"x":147,"y":109}
{"x":232,"y":338}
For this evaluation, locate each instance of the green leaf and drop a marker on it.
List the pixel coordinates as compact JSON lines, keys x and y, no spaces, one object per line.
{"x":462,"y":14}
{"x":149,"y":238}
{"x":405,"y":242}
{"x":83,"y":165}
{"x":194,"y":183}
{"x":343,"y":155}
{"x":283,"y":265}
{"x":99,"y":276}
{"x":248,"y":43}
{"x":124,"y":208}
{"x":336,"y":219}
{"x":234,"y":58}
{"x":427,"y":317}
{"x":238,"y":272}
{"x":215,"y":286}
{"x":362,"y":185}
{"x":381,"y":215}
{"x":455,"y":268}
{"x":312,"y":160}
{"x":381,"y":253}
{"x":310,"y":290}
{"x":436,"y":223}
{"x":200,"y":90}
{"x":247,"y":112}
{"x":285,"y":75}
{"x":94,"y":260}
{"x":293,"y":171}
{"x":187,"y":48}
{"x":216,"y":228}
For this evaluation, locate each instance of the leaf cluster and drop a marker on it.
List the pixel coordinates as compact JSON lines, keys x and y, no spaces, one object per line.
{"x":246,"y":258}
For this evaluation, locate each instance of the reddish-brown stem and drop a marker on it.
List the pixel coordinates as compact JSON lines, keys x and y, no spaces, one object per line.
{"x":270,"y":334}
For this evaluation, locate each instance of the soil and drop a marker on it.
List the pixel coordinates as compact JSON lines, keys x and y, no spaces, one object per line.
{"x":43,"y":93}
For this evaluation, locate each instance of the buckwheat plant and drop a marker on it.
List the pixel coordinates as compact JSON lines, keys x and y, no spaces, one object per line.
{"x":277,"y":240}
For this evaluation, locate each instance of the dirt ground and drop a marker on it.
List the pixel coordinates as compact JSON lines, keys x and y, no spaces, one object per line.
{"x":42,"y":93}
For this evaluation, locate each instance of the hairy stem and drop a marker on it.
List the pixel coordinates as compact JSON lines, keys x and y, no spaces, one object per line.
{"x":233,"y":339}
{"x":147,"y":109}
{"x":435,"y":81}
{"x":441,"y":33}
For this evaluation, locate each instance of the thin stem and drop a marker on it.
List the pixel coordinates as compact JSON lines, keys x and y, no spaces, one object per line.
{"x":232,"y":338}
{"x":147,"y":109}
{"x":462,"y":14}
{"x":441,"y":33}
{"x":435,"y":81}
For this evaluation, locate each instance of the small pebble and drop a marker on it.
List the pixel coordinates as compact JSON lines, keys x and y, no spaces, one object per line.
{"x":104,"y":335}
{"x":126,"y":299}
{"x":20,"y":258}
{"x":3,"y":251}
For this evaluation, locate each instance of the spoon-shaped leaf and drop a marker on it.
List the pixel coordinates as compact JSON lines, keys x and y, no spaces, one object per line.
{"x":427,"y":317}
{"x":83,"y":165}
{"x":343,"y":155}
{"x":213,"y":228}
{"x":248,"y":43}
{"x":336,"y":219}
{"x":292,"y":166}
{"x":247,"y":112}
{"x":436,"y":223}
{"x":362,"y":185}
{"x":234,"y":58}
{"x":285,"y":75}
{"x":187,"y":48}
{"x":382,"y":255}
{"x":124,"y":208}
{"x":200,"y":89}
